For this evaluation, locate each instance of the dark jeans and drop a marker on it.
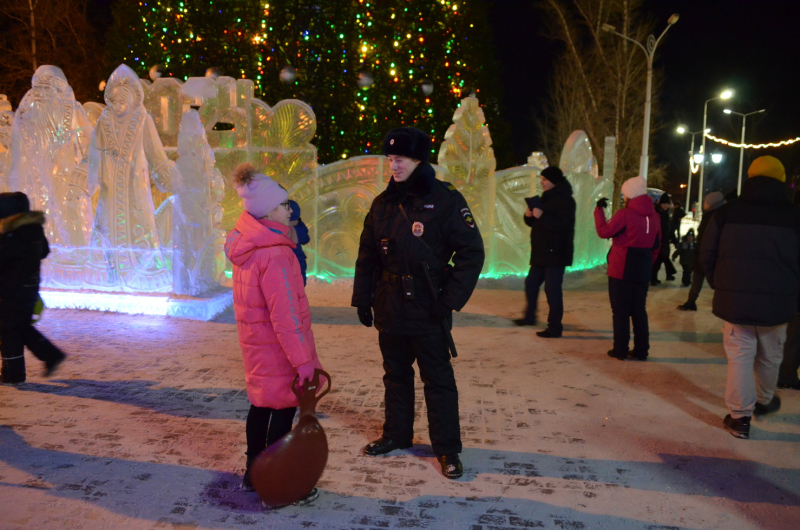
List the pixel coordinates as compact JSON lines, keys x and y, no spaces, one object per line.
{"x":669,"y":268}
{"x":15,"y":335}
{"x":264,"y":427}
{"x":686,"y":277}
{"x":697,"y":284}
{"x":628,"y":304}
{"x":439,"y":382}
{"x":553,"y":278}
{"x":791,"y":353}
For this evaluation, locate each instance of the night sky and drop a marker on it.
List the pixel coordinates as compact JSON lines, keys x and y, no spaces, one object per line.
{"x":750,"y":46}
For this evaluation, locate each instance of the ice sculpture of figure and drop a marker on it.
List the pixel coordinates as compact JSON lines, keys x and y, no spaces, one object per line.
{"x":580,"y":167}
{"x":6,"y":119}
{"x":125,"y":154}
{"x":469,"y":161}
{"x":50,"y":148}
{"x":198,"y":260}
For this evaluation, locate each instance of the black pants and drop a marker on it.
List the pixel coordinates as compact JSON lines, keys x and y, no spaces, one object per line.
{"x":669,"y":268}
{"x":264,"y":427}
{"x":628,"y":303}
{"x":439,"y":381}
{"x":791,"y":353}
{"x":697,"y":284}
{"x":553,"y":278}
{"x":15,"y":335}
{"x":686,"y":277}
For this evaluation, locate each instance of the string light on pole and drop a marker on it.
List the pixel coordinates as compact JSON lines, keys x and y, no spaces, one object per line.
{"x":753,"y":146}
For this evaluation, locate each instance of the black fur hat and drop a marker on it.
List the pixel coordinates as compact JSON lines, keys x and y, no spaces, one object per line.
{"x":12,"y":203}
{"x":409,"y":142}
{"x":553,"y":174}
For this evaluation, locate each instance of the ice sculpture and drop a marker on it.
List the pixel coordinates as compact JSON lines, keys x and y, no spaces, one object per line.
{"x":125,"y":153}
{"x":6,"y":120}
{"x":468,"y":162}
{"x":580,"y":167}
{"x":198,"y":262}
{"x":49,"y":157}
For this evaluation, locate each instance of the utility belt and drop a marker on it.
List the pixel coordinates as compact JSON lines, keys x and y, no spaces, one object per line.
{"x":406,"y":283}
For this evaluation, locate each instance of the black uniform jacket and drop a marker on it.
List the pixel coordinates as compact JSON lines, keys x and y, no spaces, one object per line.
{"x":23,"y":246}
{"x":450,"y":232}
{"x":553,"y":234}
{"x":751,"y":256}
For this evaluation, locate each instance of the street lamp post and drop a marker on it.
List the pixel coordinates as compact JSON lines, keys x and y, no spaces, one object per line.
{"x":725,"y":95}
{"x":741,"y":149}
{"x":682,"y":130}
{"x":649,"y":52}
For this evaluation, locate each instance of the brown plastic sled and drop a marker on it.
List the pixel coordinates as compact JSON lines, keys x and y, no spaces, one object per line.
{"x":289,"y":469}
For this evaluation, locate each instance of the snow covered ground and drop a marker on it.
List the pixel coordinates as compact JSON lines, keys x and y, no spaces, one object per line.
{"x":143,"y":427}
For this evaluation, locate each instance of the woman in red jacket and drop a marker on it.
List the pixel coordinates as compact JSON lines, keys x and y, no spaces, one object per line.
{"x":635,"y":231}
{"x":271,"y":310}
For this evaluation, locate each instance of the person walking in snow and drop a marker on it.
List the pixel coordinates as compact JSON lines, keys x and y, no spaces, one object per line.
{"x":635,"y":233}
{"x":271,"y":309}
{"x":751,"y":257}
{"x":686,"y":253}
{"x":23,"y":246}
{"x":711,"y":203}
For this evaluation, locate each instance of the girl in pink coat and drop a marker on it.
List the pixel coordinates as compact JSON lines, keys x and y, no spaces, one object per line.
{"x":271,"y":310}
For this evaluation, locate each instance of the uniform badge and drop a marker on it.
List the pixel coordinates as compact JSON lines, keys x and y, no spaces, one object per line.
{"x":467,"y":216}
{"x":417,"y":229}
{"x":391,"y":142}
{"x":429,"y":206}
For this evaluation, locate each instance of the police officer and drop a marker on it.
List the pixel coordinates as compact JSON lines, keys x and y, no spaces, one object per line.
{"x":411,"y":233}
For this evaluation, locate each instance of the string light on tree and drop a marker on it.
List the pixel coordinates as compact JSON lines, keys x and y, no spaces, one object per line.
{"x":341,"y":48}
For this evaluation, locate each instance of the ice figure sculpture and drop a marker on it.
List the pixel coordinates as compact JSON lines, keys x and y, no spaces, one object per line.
{"x":469,"y":164}
{"x":198,"y":262}
{"x":93,"y":111}
{"x":50,"y":148}
{"x":6,"y":120}
{"x":580,"y":167}
{"x":125,"y":153}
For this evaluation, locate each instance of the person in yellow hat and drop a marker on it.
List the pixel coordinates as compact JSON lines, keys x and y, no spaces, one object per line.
{"x":751,"y":257}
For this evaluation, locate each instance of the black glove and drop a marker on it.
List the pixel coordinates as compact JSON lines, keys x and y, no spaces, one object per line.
{"x":440,"y":311}
{"x":602,"y":203}
{"x":365,"y":315}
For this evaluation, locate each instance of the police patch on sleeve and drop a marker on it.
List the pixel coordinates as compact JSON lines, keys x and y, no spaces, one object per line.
{"x":466,"y":215}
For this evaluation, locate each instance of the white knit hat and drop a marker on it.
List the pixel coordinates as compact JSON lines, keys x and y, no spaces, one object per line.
{"x":261,"y":195}
{"x":634,"y":187}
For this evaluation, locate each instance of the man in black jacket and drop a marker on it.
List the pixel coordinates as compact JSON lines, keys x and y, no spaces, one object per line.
{"x":713,"y":200}
{"x":751,"y":258}
{"x":552,"y":247}
{"x":23,"y":246}
{"x":411,"y":233}
{"x":668,"y":236}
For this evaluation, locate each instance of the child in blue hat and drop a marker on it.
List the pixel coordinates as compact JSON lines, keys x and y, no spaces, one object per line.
{"x":299,"y":234}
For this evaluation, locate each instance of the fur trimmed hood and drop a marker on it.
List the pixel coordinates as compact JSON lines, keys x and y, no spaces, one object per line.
{"x":13,"y":222}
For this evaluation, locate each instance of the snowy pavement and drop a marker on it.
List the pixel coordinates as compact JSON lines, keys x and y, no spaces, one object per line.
{"x":143,"y":427}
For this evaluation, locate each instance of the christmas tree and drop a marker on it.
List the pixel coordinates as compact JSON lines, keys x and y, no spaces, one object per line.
{"x":364,"y":66}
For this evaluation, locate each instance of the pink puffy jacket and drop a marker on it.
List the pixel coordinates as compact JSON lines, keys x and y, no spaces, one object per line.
{"x":271,"y":310}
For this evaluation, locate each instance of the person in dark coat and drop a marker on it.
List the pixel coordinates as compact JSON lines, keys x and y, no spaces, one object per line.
{"x":664,"y":203}
{"x":787,"y":376}
{"x":298,"y":232}
{"x":552,"y":247}
{"x":23,"y":246}
{"x":712,"y":201}
{"x":678,"y":213}
{"x":635,"y":231}
{"x":686,"y":252}
{"x":413,"y":230}
{"x":751,"y":257}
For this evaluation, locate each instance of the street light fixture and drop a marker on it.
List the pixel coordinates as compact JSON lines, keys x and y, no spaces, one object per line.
{"x":649,"y":52}
{"x":726,"y":94}
{"x":741,"y":149}
{"x":698,"y":159}
{"x":716,"y":158}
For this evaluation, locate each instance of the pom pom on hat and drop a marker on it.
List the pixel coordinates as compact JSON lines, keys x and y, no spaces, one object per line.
{"x":713,"y":200}
{"x":409,"y":142}
{"x":767,"y":166}
{"x":634,"y":187}
{"x":553,"y":174}
{"x":261,"y":195}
